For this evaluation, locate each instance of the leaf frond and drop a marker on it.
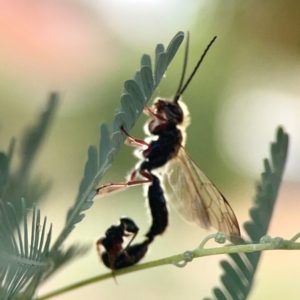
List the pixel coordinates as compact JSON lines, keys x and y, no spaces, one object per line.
{"x":17,"y":183}
{"x":239,"y":272}
{"x":137,"y":93}
{"x":23,"y":255}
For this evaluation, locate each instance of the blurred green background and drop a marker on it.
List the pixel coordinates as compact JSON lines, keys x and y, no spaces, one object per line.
{"x":247,"y":86}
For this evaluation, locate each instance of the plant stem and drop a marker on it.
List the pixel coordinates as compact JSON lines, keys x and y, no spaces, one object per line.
{"x":275,"y":244}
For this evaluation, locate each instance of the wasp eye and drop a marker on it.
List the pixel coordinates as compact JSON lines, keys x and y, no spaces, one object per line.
{"x":175,"y":113}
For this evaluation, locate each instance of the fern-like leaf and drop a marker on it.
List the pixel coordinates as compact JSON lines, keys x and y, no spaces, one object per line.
{"x":137,"y":93}
{"x":23,"y":257}
{"x":239,"y":273}
{"x":5,"y":160}
{"x":17,"y":185}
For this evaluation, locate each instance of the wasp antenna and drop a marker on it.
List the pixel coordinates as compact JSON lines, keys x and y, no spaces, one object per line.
{"x":186,"y":54}
{"x":196,"y":68}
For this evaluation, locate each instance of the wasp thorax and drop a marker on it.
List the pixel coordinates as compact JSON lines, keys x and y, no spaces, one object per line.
{"x":169,"y":110}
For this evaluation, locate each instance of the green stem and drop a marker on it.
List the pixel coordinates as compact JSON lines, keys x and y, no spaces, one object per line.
{"x":180,"y":260}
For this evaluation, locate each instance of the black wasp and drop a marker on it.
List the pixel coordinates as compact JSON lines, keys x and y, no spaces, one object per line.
{"x":115,"y":256}
{"x":196,"y":198}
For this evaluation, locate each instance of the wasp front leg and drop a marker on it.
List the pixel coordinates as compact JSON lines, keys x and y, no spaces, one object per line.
{"x":133,"y":141}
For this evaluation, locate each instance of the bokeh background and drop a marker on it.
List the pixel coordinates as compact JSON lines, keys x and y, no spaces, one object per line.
{"x":247,"y":86}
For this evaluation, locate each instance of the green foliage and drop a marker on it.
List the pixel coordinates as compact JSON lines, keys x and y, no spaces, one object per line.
{"x":239,"y":273}
{"x":137,"y":94}
{"x":23,"y":259}
{"x":16,"y":185}
{"x":26,"y":259}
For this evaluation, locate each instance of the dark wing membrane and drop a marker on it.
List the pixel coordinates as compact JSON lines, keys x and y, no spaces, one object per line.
{"x":196,"y":198}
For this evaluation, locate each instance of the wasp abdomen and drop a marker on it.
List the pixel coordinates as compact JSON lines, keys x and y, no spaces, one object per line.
{"x":158,"y":207}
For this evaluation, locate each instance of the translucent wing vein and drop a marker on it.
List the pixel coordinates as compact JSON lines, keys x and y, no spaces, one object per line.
{"x":196,"y":198}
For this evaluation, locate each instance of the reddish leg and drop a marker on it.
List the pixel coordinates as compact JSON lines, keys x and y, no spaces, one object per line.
{"x":112,"y":187}
{"x":98,"y":247}
{"x":150,"y":112}
{"x":133,"y":141}
{"x":112,"y":258}
{"x":129,"y":243}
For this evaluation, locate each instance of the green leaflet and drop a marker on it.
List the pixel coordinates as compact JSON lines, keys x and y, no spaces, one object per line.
{"x":239,"y":272}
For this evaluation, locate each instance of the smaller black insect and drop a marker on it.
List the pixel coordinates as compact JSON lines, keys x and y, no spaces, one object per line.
{"x":115,"y":255}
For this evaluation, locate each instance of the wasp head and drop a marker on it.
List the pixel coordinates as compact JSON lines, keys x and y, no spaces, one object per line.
{"x":171,"y":111}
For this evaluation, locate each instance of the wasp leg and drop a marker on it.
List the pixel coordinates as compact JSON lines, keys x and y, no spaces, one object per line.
{"x":133,"y":141}
{"x":114,"y":187}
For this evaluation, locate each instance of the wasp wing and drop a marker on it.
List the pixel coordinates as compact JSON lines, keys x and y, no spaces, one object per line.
{"x":197,"y":199}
